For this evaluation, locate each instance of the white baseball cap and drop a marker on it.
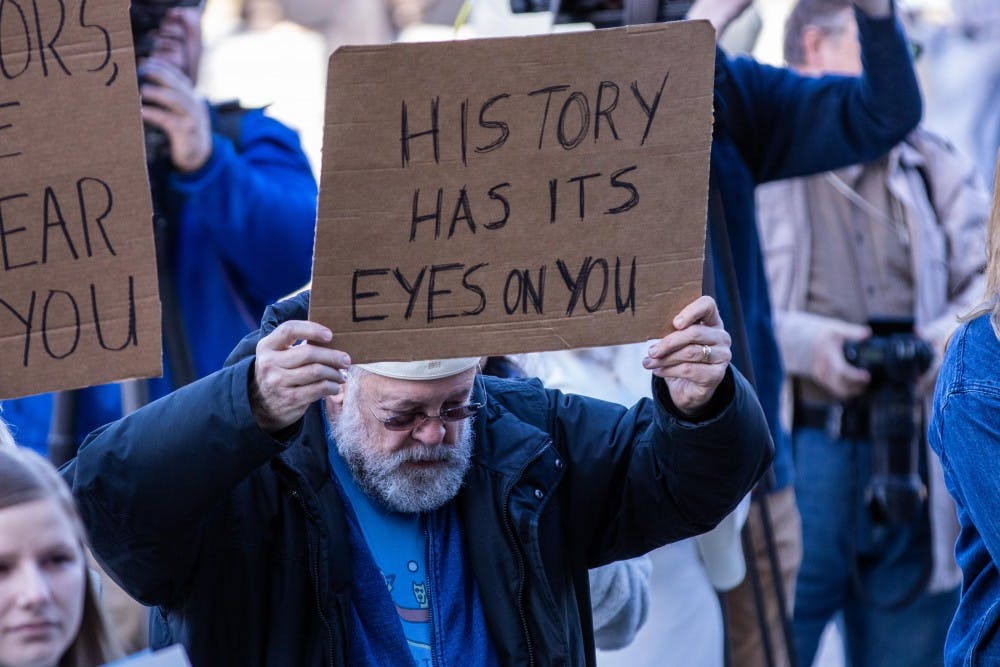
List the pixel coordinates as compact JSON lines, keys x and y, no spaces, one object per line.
{"x":421,"y":370}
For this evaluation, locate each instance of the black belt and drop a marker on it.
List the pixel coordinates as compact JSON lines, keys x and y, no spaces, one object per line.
{"x":837,"y":419}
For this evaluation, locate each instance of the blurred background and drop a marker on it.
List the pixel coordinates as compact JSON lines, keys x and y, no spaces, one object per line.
{"x":273,"y":53}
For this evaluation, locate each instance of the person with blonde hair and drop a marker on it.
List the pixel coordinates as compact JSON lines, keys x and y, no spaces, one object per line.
{"x":965,"y":433}
{"x":49,"y":610}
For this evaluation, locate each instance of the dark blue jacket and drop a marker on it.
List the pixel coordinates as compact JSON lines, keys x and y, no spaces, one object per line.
{"x":240,"y":540}
{"x":243,"y":227}
{"x":965,"y":433}
{"x":771,"y":124}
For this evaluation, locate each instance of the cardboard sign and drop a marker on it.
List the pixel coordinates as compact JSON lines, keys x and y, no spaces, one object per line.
{"x":512,"y":195}
{"x":78,"y":293}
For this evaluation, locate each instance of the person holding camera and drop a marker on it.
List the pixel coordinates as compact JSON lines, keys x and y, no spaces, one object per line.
{"x":868,"y":267}
{"x":234,"y":202}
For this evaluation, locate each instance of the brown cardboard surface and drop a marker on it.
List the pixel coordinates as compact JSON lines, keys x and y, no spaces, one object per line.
{"x":78,"y":293}
{"x":614,"y":126}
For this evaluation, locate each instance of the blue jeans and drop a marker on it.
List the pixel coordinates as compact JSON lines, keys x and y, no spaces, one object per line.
{"x":863,"y":569}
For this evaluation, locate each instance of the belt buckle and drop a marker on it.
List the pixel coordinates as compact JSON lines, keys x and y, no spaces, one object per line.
{"x":834,"y":421}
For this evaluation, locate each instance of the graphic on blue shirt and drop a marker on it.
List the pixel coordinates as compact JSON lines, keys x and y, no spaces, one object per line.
{"x":398,"y":545}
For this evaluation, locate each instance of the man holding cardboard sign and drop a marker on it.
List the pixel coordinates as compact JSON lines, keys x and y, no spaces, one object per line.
{"x":345,"y":514}
{"x":408,"y":534}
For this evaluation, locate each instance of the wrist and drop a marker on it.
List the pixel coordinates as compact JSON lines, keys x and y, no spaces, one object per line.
{"x":194,"y":160}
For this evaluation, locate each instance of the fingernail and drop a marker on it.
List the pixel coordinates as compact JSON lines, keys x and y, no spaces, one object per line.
{"x":652,"y":350}
{"x":678,"y":322}
{"x":327,"y":335}
{"x":647,"y":362}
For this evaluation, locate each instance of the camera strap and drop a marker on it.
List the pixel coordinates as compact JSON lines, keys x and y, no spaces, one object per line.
{"x":227,"y":119}
{"x":717,"y":237}
{"x":919,"y":585}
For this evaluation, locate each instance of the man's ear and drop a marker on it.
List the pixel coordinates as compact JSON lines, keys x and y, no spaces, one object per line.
{"x":812,"y":44}
{"x":334,"y":404}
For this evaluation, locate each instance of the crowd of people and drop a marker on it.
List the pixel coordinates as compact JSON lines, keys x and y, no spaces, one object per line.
{"x":810,"y":444}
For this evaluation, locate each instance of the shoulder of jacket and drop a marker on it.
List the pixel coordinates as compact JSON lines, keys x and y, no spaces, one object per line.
{"x":924,"y":140}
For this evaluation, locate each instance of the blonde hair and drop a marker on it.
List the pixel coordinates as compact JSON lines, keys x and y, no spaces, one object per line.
{"x":26,"y":477}
{"x":991,"y":300}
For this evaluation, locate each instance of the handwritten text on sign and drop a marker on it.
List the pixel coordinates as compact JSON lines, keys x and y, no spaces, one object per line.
{"x":513,"y":195}
{"x":78,"y":299}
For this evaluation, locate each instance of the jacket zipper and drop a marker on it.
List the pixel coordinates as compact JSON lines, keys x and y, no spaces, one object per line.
{"x":314,"y":574}
{"x":431,"y":591}
{"x":521,"y":569}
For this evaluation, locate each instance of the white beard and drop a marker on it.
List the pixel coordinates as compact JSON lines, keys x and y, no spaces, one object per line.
{"x":387,"y":477}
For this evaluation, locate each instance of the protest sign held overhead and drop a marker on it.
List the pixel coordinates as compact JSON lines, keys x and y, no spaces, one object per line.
{"x":511,"y":195}
{"x":78,"y":293}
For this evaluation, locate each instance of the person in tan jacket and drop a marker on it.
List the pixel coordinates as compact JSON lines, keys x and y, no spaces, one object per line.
{"x":899,"y":237}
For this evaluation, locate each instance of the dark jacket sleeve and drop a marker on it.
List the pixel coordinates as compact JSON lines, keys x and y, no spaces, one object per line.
{"x":642,"y":477}
{"x":152,"y":485}
{"x":257,"y":204}
{"x":789,"y":125}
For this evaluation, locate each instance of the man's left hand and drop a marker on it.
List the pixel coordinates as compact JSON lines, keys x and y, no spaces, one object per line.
{"x":693,"y":359}
{"x":170,"y":103}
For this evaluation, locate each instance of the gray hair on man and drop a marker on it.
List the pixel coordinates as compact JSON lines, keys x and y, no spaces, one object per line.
{"x":828,"y":16}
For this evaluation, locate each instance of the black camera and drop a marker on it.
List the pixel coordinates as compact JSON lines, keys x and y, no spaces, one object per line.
{"x":895,"y":358}
{"x":602,"y":13}
{"x":146,"y":16}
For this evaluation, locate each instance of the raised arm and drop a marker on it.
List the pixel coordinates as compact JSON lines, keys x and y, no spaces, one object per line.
{"x":153,"y":487}
{"x":669,"y":468}
{"x":786,"y":124}
{"x":255,"y":201}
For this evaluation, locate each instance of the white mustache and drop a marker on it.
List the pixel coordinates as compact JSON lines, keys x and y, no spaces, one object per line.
{"x":424,"y":454}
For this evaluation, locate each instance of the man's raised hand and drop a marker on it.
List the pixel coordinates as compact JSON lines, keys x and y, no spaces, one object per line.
{"x":292,"y":371}
{"x":693,"y":359}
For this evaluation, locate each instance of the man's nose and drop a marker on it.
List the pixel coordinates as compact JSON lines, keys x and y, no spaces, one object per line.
{"x":430,"y":431}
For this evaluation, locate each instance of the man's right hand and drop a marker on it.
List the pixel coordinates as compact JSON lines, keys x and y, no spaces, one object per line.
{"x":292,"y":371}
{"x":830,"y":370}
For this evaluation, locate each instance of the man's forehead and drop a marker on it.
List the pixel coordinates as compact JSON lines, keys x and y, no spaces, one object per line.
{"x":384,"y":389}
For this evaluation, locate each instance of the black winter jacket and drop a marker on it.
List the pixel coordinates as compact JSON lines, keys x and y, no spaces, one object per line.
{"x":238,"y":539}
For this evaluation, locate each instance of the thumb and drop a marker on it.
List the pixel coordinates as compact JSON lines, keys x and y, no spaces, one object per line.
{"x":850,"y":331}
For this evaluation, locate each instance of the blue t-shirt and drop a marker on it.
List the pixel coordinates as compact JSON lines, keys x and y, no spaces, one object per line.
{"x":398,"y":545}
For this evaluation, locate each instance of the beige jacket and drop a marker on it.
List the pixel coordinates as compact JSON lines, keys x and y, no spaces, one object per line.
{"x":948,"y":236}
